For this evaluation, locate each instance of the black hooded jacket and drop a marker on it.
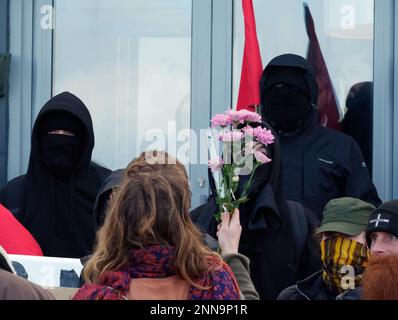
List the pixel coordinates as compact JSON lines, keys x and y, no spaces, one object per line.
{"x":320,"y":164}
{"x":111,"y":183}
{"x":268,"y":235}
{"x":58,"y":211}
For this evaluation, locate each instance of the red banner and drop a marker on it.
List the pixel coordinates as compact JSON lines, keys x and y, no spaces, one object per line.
{"x":252,"y":66}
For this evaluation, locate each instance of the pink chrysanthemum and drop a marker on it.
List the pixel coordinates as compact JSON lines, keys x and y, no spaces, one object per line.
{"x":261,"y":157}
{"x":243,"y":116}
{"x":216,"y":164}
{"x":264,"y":135}
{"x":221,"y":120}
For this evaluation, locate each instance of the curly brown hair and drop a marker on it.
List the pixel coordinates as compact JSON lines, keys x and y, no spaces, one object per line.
{"x":150,"y":207}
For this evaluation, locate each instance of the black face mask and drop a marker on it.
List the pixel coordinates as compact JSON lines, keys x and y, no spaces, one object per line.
{"x":286,"y":107}
{"x":60,"y":153}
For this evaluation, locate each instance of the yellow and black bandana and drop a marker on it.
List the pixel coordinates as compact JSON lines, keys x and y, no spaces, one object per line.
{"x":339,"y":252}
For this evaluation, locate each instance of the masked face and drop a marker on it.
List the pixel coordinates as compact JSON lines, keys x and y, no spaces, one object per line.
{"x":286,"y":107}
{"x":344,"y":261}
{"x":60,"y":153}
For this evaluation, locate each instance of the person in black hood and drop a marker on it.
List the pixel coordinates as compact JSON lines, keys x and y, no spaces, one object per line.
{"x":110,"y":184}
{"x":54,"y":200}
{"x":275,"y":235}
{"x":358,"y":121}
{"x":320,"y":164}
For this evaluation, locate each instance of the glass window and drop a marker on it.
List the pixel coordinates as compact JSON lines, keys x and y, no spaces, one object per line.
{"x":345,"y":33}
{"x":130,"y":62}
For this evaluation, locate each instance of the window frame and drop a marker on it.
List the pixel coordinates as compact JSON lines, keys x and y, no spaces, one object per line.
{"x":4,"y":48}
{"x":211,"y":83}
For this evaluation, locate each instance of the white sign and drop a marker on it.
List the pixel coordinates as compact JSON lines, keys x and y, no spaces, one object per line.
{"x":46,"y":271}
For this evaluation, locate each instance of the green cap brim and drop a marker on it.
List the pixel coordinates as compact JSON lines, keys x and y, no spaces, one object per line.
{"x":347,"y":228}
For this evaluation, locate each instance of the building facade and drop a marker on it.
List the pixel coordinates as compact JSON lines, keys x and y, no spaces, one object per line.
{"x":153,"y":72}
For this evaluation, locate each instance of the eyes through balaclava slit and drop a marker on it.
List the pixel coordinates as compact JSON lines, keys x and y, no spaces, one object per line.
{"x":61,"y":142}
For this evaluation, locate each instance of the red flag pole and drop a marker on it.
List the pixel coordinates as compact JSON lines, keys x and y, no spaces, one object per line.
{"x":252,"y":66}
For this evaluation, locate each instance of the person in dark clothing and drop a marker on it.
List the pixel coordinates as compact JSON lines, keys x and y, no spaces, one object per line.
{"x":274,"y":236}
{"x":54,"y":199}
{"x":382,"y":231}
{"x":110,"y":184}
{"x":344,"y":254}
{"x":382,"y":241}
{"x":358,"y":120}
{"x":320,"y":164}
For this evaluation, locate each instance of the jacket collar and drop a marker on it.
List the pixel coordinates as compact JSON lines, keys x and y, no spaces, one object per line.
{"x":313,"y":288}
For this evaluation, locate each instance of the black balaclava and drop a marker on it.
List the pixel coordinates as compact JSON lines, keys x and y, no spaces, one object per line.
{"x":286,"y":98}
{"x":61,"y":153}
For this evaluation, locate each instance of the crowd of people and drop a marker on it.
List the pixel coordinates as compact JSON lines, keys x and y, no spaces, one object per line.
{"x":314,"y":227}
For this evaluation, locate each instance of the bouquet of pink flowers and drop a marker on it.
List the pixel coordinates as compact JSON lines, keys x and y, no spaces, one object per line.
{"x":244,"y":148}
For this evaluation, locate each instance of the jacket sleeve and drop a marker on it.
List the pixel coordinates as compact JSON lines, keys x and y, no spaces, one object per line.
{"x":12,"y":196}
{"x":13,"y":287}
{"x":359,"y":184}
{"x":311,"y":257}
{"x":240,"y":267}
{"x":4,"y":195}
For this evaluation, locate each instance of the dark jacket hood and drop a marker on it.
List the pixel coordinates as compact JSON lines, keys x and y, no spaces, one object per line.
{"x":111,"y":182}
{"x":295,"y":61}
{"x":65,"y":102}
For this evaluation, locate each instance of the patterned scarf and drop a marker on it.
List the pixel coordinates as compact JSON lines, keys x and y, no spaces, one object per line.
{"x":339,"y":252}
{"x":159,"y":262}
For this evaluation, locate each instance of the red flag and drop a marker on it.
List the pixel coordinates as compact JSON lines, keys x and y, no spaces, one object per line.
{"x":252,"y":66}
{"x":14,"y":238}
{"x":327,"y":101}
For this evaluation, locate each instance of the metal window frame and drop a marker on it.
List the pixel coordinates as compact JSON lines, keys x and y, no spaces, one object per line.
{"x":200,"y":90}
{"x":212,"y":26}
{"x":20,"y":98}
{"x":30,"y":78}
{"x":385,"y":154}
{"x":394,"y":139}
{"x":4,"y":48}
